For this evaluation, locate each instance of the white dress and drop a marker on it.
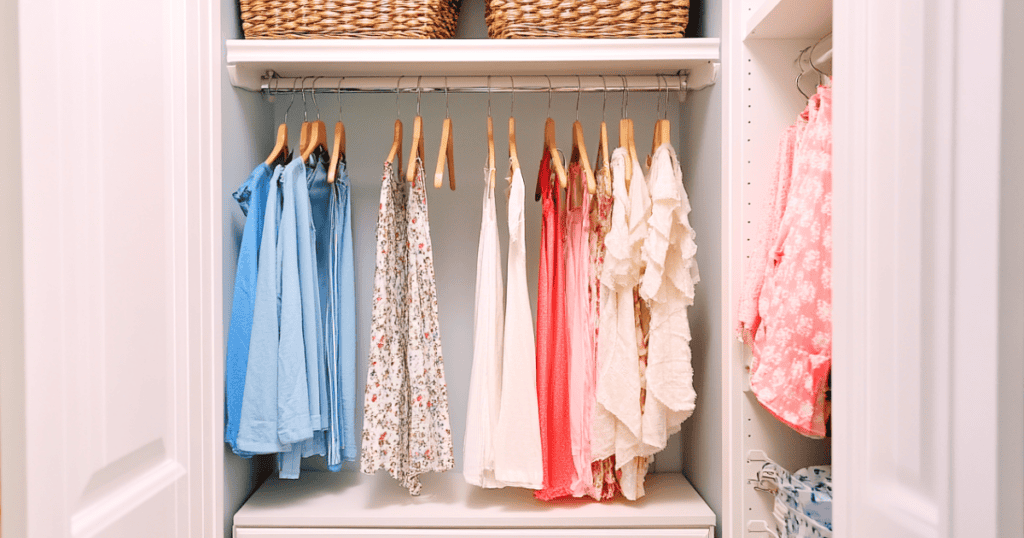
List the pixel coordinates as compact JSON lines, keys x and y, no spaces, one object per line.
{"x":488,"y":326}
{"x":670,"y":272}
{"x":518,"y":459}
{"x":617,"y":427}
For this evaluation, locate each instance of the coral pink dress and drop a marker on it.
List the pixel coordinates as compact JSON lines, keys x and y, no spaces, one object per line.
{"x":582,"y":374}
{"x":552,"y":345}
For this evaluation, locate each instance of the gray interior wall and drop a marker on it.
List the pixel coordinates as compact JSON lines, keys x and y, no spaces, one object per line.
{"x":1011,"y":285}
{"x":701,"y":135}
{"x":13,"y":487}
{"x":247,"y":121}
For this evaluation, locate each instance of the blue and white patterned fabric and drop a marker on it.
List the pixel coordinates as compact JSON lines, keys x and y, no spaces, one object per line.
{"x":803,"y":501}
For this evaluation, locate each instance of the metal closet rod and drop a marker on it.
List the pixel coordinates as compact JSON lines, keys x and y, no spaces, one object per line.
{"x":478,"y":84}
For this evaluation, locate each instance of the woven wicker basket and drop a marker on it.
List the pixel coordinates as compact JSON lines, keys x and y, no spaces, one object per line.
{"x":331,"y":19}
{"x":586,"y":18}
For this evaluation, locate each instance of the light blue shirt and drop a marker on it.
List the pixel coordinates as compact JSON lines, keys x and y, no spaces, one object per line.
{"x":307,"y":207}
{"x":275,"y":404}
{"x":252,"y":198}
{"x":343,"y":284}
{"x":340,"y":326}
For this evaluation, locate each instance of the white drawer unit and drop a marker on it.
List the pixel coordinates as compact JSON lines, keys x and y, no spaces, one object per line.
{"x":323,"y":505}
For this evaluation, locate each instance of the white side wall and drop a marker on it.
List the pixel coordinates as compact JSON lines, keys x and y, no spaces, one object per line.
{"x":12,"y":339}
{"x":247,"y":118}
{"x":1011,"y":286}
{"x":700,"y":131}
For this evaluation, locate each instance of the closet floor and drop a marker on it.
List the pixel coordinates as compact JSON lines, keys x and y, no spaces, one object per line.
{"x":354,"y":504}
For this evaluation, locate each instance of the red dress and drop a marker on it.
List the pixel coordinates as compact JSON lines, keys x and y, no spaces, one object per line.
{"x":553,"y":345}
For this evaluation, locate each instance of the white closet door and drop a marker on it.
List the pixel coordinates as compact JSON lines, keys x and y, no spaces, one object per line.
{"x":117,"y":303}
{"x":917,"y":126}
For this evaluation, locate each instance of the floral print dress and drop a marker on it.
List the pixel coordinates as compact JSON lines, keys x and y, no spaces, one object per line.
{"x":606,"y":485}
{"x":406,"y":427}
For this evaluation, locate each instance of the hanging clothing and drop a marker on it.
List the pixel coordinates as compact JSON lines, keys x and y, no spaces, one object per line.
{"x":794,"y":350}
{"x":485,"y":386}
{"x":430,"y":436}
{"x":748,"y":313}
{"x":406,"y":426}
{"x":252,"y":198}
{"x":518,"y":458}
{"x":552,"y":344}
{"x":340,"y":324}
{"x":580,"y":330}
{"x":386,"y":403}
{"x":603,"y":471}
{"x":297,"y":238}
{"x":670,"y":273}
{"x":622,"y":333}
{"x":275,"y":405}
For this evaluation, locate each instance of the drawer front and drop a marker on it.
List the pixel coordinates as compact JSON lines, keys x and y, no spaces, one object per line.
{"x":469,"y":533}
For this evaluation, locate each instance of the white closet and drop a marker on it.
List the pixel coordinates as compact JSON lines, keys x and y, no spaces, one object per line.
{"x":127,"y":139}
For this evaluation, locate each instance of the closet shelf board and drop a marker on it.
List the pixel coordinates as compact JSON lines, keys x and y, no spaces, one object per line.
{"x":248,"y":60}
{"x":790,"y":19}
{"x":355,"y":500}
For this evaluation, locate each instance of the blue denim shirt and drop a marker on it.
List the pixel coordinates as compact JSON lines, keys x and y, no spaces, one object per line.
{"x":275,"y":404}
{"x":308,"y":207}
{"x":252,"y":198}
{"x":340,"y":325}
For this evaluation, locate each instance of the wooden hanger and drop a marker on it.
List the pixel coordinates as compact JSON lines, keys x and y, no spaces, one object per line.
{"x":513,"y":155}
{"x":580,"y":147}
{"x":396,"y":145}
{"x":556,"y":161}
{"x":603,"y":155}
{"x":491,"y":165}
{"x":662,"y":127}
{"x":281,"y":147}
{"x":318,"y":130}
{"x":624,"y":131}
{"x":447,"y":149}
{"x":416,"y":149}
{"x":632,"y":147}
{"x":317,"y":139}
{"x":662,"y":135}
{"x":338,"y":153}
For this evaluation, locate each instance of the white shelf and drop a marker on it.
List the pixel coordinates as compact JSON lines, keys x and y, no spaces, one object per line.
{"x":355,"y":500}
{"x":249,"y":60}
{"x":790,"y":19}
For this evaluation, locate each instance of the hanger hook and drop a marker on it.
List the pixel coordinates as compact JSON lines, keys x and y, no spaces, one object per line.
{"x":666,"y":96}
{"x":625,"y":96}
{"x":512,"y":80}
{"x":549,"y":94}
{"x":658,"y":94}
{"x":302,"y":91}
{"x":289,"y":102}
{"x":419,"y":93}
{"x":312,"y":92}
{"x":398,"y":91}
{"x":340,"y":81}
{"x":800,"y":72}
{"x":488,"y":96}
{"x":579,"y":94}
{"x":810,"y":57}
{"x":604,"y":105}
{"x":446,"y":115}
